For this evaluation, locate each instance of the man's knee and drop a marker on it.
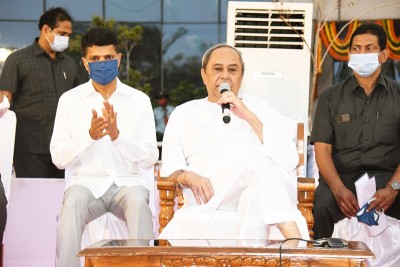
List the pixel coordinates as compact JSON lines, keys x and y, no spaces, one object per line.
{"x":76,"y":196}
{"x":137,"y":202}
{"x":135,"y":196}
{"x":324,"y":202}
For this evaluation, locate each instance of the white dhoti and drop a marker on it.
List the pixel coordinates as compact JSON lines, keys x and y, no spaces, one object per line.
{"x":250,"y":194}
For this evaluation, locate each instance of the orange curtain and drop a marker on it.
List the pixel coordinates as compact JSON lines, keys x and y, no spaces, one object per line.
{"x":340,"y":46}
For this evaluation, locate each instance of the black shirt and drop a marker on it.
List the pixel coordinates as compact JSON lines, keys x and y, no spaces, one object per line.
{"x":364,"y":131}
{"x":37,"y":82}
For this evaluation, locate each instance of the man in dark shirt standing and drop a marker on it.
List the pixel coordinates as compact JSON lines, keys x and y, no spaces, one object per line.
{"x":33,"y":79}
{"x":357,"y":130}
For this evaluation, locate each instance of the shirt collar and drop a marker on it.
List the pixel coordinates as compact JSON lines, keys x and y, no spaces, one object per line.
{"x":382,"y":82}
{"x":353,"y":84}
{"x":121,"y":89}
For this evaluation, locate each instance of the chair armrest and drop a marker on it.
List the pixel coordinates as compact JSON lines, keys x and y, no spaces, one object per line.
{"x":305,"y":196}
{"x":167,"y":193}
{"x":169,"y":190}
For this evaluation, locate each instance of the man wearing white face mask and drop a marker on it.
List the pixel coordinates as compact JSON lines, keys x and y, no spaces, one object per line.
{"x":357,"y":130}
{"x":33,"y":79}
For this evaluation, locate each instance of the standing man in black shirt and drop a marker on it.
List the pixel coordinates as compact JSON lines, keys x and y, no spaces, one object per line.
{"x":33,"y":79}
{"x":357,"y":130}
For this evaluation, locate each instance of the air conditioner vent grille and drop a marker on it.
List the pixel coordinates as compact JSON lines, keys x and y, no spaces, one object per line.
{"x":269,"y":28}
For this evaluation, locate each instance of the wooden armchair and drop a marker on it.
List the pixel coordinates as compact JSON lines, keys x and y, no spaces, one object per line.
{"x":170,"y":190}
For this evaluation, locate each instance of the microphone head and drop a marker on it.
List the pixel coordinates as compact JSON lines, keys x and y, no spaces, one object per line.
{"x":223,"y":87}
{"x":226,"y":119}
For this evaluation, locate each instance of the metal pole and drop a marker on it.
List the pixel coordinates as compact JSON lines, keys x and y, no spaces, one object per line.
{"x":161,"y":47}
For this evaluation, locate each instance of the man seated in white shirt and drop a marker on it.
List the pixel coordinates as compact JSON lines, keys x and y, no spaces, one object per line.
{"x":243,"y":165}
{"x":4,"y":105}
{"x":104,"y":137}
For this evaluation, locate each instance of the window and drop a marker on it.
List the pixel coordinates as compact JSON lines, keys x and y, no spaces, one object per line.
{"x":80,"y":10}
{"x":21,"y":9}
{"x":190,"y":11}
{"x":134,"y":10}
{"x":17,"y":34}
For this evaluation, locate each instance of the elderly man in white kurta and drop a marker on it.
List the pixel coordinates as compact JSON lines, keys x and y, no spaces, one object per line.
{"x":244,"y":165}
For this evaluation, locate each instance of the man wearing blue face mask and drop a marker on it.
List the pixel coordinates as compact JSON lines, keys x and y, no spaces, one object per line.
{"x":356,"y":130}
{"x":33,"y":79}
{"x":104,"y":136}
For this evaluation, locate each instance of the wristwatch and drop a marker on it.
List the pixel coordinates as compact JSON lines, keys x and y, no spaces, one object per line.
{"x":395,"y":185}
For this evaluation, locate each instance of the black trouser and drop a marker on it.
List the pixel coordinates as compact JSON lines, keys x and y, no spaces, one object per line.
{"x":326,"y":211}
{"x":36,"y":166}
{"x":3,"y":211}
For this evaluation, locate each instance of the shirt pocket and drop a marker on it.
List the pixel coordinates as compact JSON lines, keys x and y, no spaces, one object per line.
{"x":346,"y":134}
{"x":387,"y":130}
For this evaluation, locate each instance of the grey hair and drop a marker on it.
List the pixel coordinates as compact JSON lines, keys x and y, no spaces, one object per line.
{"x":207,"y":55}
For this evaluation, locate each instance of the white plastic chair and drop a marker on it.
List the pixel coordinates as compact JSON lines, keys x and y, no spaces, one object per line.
{"x":109,"y":226}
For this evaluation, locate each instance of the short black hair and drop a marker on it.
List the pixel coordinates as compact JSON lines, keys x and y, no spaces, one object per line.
{"x":98,"y":37}
{"x":162,"y":94}
{"x":52,"y":16}
{"x":373,"y":29}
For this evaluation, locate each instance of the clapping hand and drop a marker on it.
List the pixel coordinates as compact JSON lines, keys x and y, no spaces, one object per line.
{"x":105,"y":125}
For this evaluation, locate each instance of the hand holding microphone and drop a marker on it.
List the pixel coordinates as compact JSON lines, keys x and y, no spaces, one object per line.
{"x":226,"y":116}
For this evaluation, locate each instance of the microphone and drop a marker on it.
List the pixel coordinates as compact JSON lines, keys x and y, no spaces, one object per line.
{"x":226,"y":116}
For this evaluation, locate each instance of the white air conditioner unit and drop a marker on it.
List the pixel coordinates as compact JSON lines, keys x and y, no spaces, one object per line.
{"x":271,"y":37}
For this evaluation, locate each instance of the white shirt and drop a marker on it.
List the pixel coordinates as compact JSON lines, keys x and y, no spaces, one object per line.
{"x":191,"y":125}
{"x":96,"y":164}
{"x":4,"y":106}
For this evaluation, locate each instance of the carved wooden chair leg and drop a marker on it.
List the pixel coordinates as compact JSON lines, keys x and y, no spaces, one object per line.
{"x":305,"y":196}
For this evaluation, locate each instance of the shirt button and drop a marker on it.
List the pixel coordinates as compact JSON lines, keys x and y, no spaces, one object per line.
{"x":363,"y":155}
{"x":365,"y":137}
{"x":366,"y":120}
{"x":367,"y":102}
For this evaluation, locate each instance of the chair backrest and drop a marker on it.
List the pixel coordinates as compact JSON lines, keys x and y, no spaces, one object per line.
{"x":8,"y":124}
{"x":300,"y":170}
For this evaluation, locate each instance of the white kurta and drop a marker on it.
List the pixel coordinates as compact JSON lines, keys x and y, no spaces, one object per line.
{"x":249,"y":177}
{"x":96,"y":164}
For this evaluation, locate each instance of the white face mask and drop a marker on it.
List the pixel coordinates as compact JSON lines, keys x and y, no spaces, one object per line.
{"x":364,"y":64}
{"x":60,"y":43}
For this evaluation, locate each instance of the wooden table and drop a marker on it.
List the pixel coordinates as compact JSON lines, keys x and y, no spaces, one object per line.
{"x":210,"y":253}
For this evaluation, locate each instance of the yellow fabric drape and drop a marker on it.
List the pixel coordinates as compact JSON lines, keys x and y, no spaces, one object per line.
{"x":393,"y":40}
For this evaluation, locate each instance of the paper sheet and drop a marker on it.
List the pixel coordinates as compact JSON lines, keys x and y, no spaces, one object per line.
{"x":366,"y":188}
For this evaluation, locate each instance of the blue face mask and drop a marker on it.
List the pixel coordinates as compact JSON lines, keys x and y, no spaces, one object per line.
{"x":103,"y":72}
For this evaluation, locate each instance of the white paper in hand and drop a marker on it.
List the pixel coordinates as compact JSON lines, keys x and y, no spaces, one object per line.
{"x":366,"y":188}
